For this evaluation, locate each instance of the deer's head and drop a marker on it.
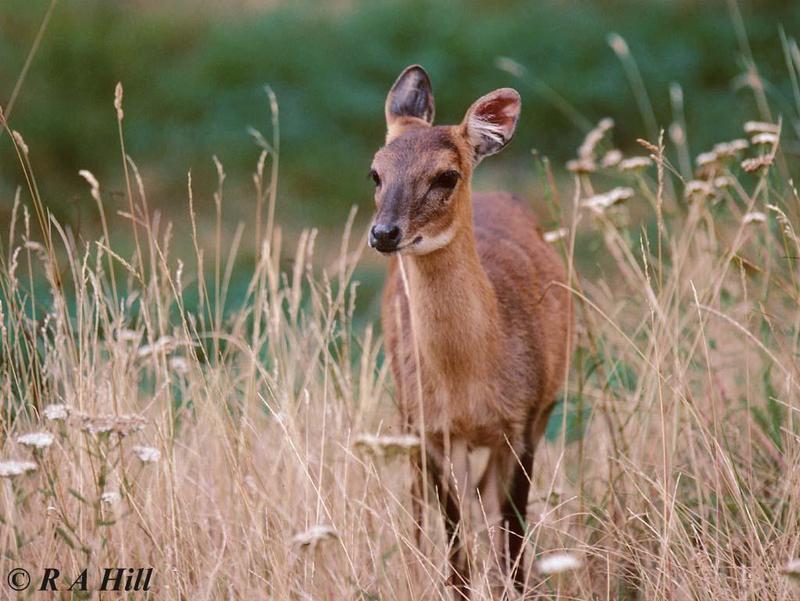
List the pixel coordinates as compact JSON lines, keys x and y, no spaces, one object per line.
{"x":422,"y":175}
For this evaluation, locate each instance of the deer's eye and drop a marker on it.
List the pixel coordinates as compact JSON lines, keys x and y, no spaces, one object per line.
{"x":446,"y":180}
{"x":373,"y":175}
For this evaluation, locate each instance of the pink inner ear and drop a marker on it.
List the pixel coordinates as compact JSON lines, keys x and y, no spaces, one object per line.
{"x":500,"y":110}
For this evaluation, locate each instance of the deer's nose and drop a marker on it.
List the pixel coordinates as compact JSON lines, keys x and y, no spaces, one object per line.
{"x":384,"y":237}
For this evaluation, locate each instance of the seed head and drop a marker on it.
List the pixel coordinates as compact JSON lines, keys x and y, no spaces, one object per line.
{"x":118,"y":101}
{"x":20,"y":142}
{"x":509,"y":66}
{"x":618,"y":44}
{"x":593,"y":138}
{"x":93,"y":183}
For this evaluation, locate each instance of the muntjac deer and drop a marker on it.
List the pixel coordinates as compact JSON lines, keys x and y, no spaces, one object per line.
{"x":477,"y":319}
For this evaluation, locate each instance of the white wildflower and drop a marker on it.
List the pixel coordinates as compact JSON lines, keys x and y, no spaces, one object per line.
{"x":581,"y":166}
{"x":754,"y":217}
{"x":760,"y":127}
{"x":765,"y":138}
{"x":110,"y":497}
{"x":37,"y":440}
{"x":58,"y":412}
{"x":756,"y":163}
{"x":730,"y":149}
{"x":697,"y":188}
{"x":9,"y":469}
{"x":147,"y":454}
{"x":179,"y":365}
{"x":122,"y":425}
{"x":128,"y":335}
{"x":792,"y":568}
{"x":706,"y":158}
{"x":723,"y":181}
{"x":600,"y":202}
{"x":555,"y":235}
{"x":556,"y":563}
{"x":611,"y":158}
{"x":314,"y":535}
{"x":635,"y":163}
{"x":388,"y":446}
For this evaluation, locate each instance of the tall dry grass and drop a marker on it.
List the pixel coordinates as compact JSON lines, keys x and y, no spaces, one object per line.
{"x":227,"y":449}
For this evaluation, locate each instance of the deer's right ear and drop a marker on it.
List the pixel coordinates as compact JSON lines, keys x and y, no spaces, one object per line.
{"x":410,"y":101}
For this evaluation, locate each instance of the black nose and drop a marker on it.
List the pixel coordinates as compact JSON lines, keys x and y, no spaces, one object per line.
{"x":384,"y":237}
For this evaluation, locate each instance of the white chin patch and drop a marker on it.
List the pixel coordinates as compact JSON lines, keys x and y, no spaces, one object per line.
{"x":429,"y":244}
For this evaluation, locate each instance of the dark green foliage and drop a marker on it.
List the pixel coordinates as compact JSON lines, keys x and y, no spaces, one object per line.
{"x":622,"y":377}
{"x":571,"y":417}
{"x":770,"y":415}
{"x":193,"y":85}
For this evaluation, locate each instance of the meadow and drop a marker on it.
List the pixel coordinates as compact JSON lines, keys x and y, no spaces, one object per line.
{"x":244,"y":443}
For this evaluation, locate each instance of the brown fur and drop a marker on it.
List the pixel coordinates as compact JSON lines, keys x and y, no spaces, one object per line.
{"x":489,"y":318}
{"x":493,"y":326}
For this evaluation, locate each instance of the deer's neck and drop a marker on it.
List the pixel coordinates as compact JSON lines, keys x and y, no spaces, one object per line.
{"x":455,"y":307}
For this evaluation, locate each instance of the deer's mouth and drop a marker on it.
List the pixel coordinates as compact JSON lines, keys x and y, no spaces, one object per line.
{"x":397,"y":249}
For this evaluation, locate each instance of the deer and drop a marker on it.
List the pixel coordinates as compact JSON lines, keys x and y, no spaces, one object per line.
{"x":476,"y":312}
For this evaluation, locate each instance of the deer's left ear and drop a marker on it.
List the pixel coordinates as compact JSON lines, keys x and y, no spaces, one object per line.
{"x":490,"y":122}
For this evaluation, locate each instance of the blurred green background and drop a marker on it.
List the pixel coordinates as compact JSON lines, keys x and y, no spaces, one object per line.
{"x":194,"y":73}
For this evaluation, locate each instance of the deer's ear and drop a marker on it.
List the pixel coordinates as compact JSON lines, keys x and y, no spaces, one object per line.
{"x":490,"y":122}
{"x":410,"y":101}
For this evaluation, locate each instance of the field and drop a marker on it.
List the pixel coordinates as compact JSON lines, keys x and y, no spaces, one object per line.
{"x":239,"y":441}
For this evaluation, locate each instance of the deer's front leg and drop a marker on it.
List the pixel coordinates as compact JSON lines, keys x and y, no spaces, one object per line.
{"x":450,"y":478}
{"x":492,"y":491}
